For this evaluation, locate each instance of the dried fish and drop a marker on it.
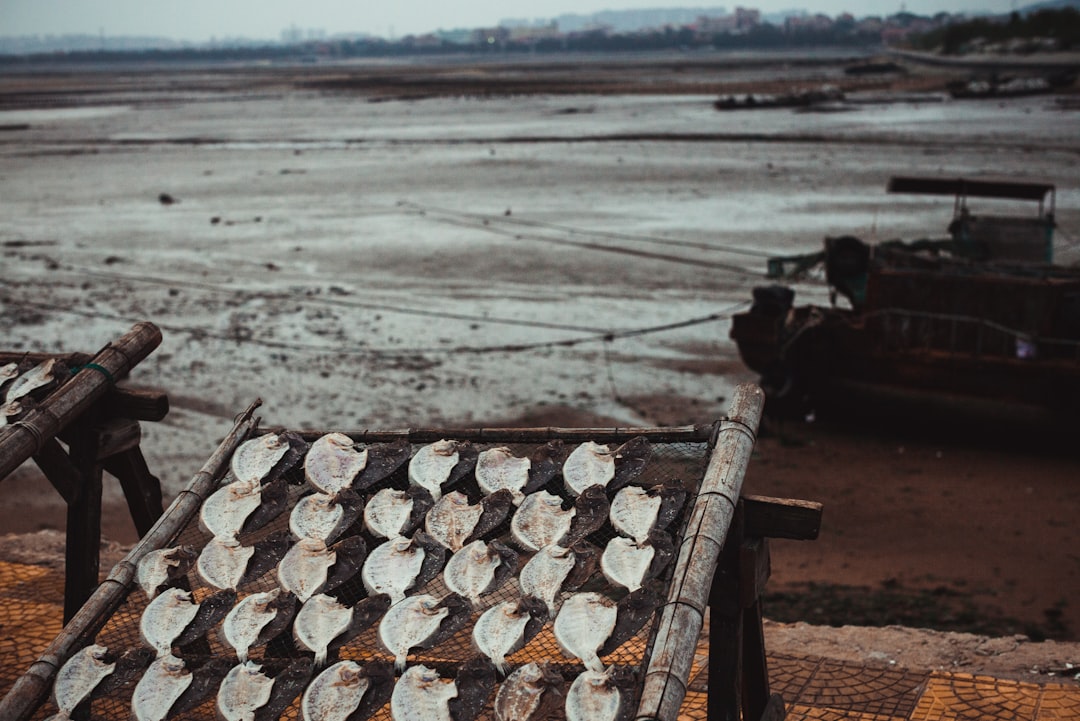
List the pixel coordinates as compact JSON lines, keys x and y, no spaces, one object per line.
{"x":401,"y":564}
{"x":289,"y":682}
{"x":257,"y":619}
{"x":589,"y":464}
{"x":421,"y":694}
{"x":629,"y":564}
{"x":159,"y":688}
{"x":453,"y":522}
{"x":364,"y":614}
{"x":211,"y":611}
{"x":320,"y":620}
{"x":630,"y":461}
{"x":635,"y":510}
{"x":224,"y":512}
{"x":166,"y":617}
{"x":224,"y":561}
{"x":420,"y":622}
{"x":554,"y":569}
{"x":14,"y":411}
{"x":545,"y":463}
{"x":625,"y":563}
{"x":382,"y":460}
{"x":479,"y":568}
{"x":632,"y":613}
{"x":597,"y":695}
{"x":44,"y":375}
{"x":584,"y":623}
{"x":530,"y":693}
{"x":78,"y":677}
{"x":498,"y":468}
{"x":312,"y":567}
{"x":333,"y":462}
{"x":130,"y":667}
{"x":266,"y":457}
{"x":391,"y":512}
{"x":540,"y":521}
{"x":244,"y":690}
{"x":205,"y":680}
{"x":8,"y":371}
{"x":508,"y":626}
{"x":591,"y":510}
{"x":158,"y":569}
{"x":441,"y":464}
{"x":335,"y":693}
{"x":325,"y":517}
{"x":475,"y":681}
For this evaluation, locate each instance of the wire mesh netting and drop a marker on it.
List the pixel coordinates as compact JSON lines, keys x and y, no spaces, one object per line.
{"x":681,"y":462}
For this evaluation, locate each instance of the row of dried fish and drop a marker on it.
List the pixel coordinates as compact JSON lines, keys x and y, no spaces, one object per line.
{"x":165,"y":687}
{"x":589,"y":625}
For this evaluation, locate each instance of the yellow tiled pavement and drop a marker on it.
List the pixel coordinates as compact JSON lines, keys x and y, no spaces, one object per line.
{"x":814,"y":689}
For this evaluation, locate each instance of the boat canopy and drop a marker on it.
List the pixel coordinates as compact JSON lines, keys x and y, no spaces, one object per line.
{"x":962,"y":187}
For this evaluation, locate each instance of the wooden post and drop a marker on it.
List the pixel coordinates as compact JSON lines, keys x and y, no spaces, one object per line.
{"x":83,"y":538}
{"x":706,"y":532}
{"x":142,"y":489}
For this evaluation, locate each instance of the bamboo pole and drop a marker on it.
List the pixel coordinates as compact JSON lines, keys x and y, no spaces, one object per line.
{"x":30,"y":691}
{"x":24,"y":438}
{"x":676,"y":434}
{"x":683,"y":616}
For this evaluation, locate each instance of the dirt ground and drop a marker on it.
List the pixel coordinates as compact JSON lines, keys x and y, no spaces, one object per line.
{"x":378,"y":264}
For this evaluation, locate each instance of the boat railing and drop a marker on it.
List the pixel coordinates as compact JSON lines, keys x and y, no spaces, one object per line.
{"x":900,"y":329}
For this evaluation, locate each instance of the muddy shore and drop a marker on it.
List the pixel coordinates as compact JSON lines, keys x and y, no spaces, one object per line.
{"x":486,"y":243}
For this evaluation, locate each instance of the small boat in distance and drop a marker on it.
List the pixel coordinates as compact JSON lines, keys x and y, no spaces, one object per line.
{"x":981,"y":322}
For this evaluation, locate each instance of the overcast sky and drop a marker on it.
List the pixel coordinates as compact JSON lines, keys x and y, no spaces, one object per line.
{"x":200,"y":20}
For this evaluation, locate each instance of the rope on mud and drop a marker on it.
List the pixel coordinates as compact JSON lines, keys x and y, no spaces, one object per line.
{"x":417,"y":207}
{"x":738,"y":270}
{"x":341,"y":302}
{"x":390,"y":353}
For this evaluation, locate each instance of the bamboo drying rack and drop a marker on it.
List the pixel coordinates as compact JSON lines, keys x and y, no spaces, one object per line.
{"x":100,"y":424}
{"x":721,"y":561}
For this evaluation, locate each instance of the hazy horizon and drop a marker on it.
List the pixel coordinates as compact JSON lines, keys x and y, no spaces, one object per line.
{"x":202,"y":20}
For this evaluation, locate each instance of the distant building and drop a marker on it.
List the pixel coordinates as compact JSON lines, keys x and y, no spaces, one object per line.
{"x":530,"y":33}
{"x":457,"y":36}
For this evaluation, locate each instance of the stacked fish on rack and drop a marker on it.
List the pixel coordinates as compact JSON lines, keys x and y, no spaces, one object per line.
{"x":23,"y":384}
{"x":440,"y":550}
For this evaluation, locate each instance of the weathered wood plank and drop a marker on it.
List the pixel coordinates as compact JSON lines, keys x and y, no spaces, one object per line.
{"x":31,"y":689}
{"x":754,"y":570}
{"x":768,"y":517}
{"x":139,"y":404}
{"x":116,"y":435}
{"x":682,"y":618}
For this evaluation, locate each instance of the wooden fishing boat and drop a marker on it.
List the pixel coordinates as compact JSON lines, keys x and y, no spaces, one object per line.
{"x":981,"y":323}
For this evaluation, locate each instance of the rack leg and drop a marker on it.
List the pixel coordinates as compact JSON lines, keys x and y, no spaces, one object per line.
{"x":142,"y":489}
{"x":83,"y":525}
{"x":725,"y":637}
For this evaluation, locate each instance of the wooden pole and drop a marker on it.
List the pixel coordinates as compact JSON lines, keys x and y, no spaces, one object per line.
{"x":676,"y":434}
{"x":31,"y":689}
{"x":682,"y":617}
{"x":26,"y":437}
{"x":83,"y":538}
